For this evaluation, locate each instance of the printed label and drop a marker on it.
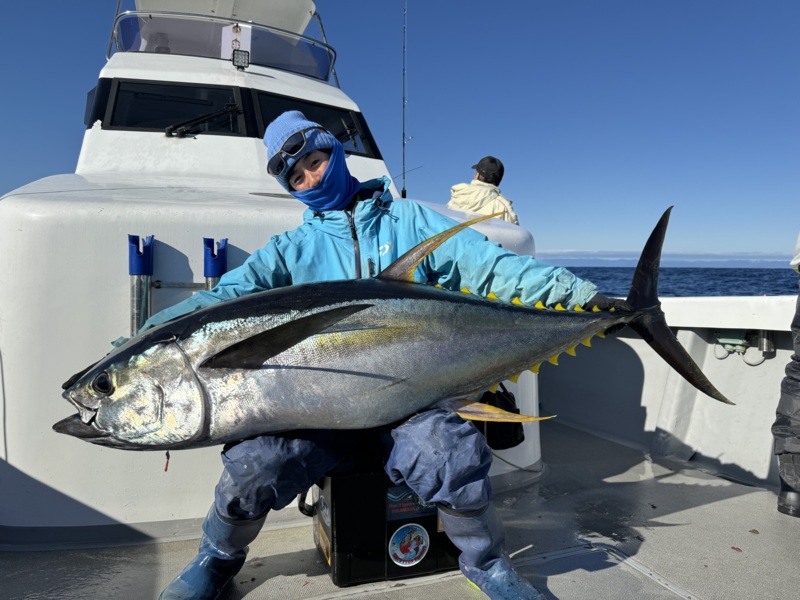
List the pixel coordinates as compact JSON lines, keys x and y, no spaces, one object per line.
{"x":324,"y":510}
{"x":402,"y":503}
{"x":324,"y":543}
{"x":409,"y":545}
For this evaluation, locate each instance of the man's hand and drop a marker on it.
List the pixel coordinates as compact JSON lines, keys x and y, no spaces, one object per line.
{"x":605,"y":303}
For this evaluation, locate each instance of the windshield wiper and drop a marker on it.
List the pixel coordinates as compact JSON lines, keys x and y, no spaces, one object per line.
{"x":181,"y":129}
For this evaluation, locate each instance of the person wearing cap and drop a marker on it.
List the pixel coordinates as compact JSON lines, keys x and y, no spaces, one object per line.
{"x":481,"y":195}
{"x":786,"y":428}
{"x":352,"y":230}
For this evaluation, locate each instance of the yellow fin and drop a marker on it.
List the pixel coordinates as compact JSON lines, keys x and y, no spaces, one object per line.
{"x":559,"y":307}
{"x":478,"y":411}
{"x":535,"y":368}
{"x":514,"y":378}
{"x":465,"y":291}
{"x":517,"y":301}
{"x":601,"y":334}
{"x":578,"y":308}
{"x":587,"y":342}
{"x":493,"y":389}
{"x":492,"y":296}
{"x":539,"y":304}
{"x":403,"y":268}
{"x":595,"y":309}
{"x":571,"y":351}
{"x":553,"y":360}
{"x":439,"y":286}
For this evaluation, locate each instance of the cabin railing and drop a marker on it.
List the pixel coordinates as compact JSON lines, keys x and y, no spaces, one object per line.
{"x":215,"y":37}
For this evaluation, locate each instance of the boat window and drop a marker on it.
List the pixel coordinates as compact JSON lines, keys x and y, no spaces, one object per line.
{"x":211,"y":37}
{"x":156,"y":106}
{"x":348,"y":126}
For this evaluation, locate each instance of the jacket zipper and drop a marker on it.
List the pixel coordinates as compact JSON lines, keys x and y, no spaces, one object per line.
{"x":355,"y":243}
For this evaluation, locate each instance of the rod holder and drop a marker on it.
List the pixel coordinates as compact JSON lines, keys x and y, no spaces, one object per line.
{"x":140,"y":269}
{"x":765,"y":343}
{"x":214,"y":265}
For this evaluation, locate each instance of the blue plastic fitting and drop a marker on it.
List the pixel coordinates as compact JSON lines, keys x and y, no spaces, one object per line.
{"x":140,"y":262}
{"x":215,"y":265}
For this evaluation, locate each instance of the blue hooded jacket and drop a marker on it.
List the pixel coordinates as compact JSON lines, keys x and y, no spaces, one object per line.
{"x":344,"y":244}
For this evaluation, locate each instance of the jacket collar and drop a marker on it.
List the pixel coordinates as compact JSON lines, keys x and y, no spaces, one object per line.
{"x":371,"y":203}
{"x":479,"y":183}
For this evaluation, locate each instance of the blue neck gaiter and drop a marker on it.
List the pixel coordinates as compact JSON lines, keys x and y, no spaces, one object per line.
{"x":335,"y":189}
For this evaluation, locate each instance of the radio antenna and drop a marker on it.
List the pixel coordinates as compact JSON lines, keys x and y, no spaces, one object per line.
{"x":405,"y":139}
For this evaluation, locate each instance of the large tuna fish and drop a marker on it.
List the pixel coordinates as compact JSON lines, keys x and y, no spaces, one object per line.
{"x":339,"y":355}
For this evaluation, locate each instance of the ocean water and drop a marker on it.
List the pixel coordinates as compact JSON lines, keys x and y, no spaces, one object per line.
{"x":679,"y":281}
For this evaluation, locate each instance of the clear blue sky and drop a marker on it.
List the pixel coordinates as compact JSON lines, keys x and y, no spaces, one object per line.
{"x":604,"y":112}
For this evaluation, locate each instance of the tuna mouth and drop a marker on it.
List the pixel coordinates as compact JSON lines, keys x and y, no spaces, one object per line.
{"x":75,"y":427}
{"x":86,"y":414}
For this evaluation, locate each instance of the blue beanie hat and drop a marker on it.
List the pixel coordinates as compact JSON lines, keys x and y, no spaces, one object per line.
{"x":288,"y":124}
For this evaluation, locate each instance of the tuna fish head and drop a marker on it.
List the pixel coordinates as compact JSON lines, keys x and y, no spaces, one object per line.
{"x":143,"y":396}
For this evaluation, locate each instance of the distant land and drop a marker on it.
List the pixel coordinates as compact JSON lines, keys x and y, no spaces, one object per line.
{"x":574,"y":258}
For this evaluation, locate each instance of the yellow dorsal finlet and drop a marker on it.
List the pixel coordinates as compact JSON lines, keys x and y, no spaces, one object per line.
{"x":571,"y":351}
{"x":465,"y":291}
{"x":514,"y":378}
{"x":601,"y":334}
{"x":535,"y":368}
{"x":578,"y":308}
{"x":539,"y":305}
{"x":595,"y":309}
{"x":492,"y":296}
{"x":587,"y":342}
{"x":553,"y":360}
{"x":493,"y":389}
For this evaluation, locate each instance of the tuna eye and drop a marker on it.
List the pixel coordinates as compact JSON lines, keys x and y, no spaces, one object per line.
{"x":102,"y":384}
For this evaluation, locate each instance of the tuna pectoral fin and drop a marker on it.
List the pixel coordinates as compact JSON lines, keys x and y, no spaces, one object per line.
{"x":478,"y":411}
{"x":254,"y":351}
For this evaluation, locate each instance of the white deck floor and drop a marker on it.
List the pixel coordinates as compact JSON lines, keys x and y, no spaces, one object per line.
{"x":603,"y":522}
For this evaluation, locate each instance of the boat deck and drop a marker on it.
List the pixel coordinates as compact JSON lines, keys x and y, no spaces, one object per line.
{"x":604,"y":521}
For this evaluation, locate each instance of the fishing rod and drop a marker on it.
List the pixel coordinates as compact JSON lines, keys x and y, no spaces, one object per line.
{"x":405,"y":139}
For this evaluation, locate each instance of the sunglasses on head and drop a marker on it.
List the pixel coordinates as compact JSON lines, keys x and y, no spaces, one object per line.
{"x":293,"y":145}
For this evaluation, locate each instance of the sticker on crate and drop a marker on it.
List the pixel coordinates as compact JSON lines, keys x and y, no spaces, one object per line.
{"x":409,"y":545}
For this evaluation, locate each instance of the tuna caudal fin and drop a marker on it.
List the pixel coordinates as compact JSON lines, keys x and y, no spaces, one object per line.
{"x":650,"y":323}
{"x":403,"y":268}
{"x":478,"y":411}
{"x":253,"y":352}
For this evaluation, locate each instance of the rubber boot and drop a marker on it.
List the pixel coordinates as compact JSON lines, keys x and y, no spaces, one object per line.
{"x":789,"y":496}
{"x":483,"y":560}
{"x":223,"y":549}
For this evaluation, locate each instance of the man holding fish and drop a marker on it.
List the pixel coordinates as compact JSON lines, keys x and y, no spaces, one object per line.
{"x":353,"y":230}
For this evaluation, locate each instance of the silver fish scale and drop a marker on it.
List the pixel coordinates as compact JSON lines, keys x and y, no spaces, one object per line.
{"x":379,"y":365}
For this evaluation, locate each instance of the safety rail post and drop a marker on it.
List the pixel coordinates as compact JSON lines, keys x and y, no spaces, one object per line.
{"x":140,"y":268}
{"x":214,"y":265}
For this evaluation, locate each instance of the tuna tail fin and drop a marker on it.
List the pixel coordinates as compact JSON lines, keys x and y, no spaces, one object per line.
{"x":478,"y":411}
{"x":650,"y":322}
{"x":403,"y":268}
